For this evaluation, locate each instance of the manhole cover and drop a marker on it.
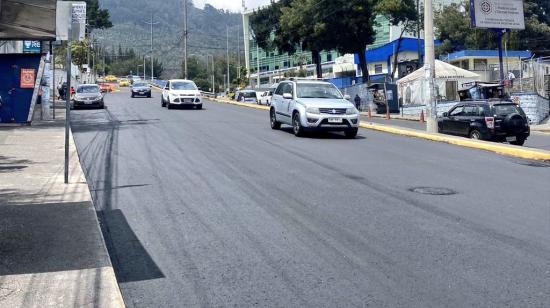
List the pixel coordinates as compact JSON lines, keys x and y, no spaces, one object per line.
{"x":436,"y":191}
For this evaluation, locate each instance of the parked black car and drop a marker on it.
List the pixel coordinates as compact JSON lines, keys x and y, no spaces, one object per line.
{"x":498,"y":120}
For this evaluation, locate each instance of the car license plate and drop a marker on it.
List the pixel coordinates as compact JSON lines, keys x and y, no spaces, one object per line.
{"x":511,"y":138}
{"x":335,"y":120}
{"x":88,"y":102}
{"x":187,"y":100}
{"x":141,"y":93}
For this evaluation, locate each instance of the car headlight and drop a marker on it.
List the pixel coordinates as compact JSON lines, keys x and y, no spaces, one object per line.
{"x":350,"y":111}
{"x":312,"y":110}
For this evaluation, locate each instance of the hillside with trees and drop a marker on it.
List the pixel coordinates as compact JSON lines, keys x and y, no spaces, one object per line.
{"x":206,"y":28}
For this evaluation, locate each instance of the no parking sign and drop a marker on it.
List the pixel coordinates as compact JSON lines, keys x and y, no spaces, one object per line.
{"x":27,"y":78}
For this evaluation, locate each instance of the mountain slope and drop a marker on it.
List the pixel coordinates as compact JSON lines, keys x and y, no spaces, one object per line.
{"x":206,"y":27}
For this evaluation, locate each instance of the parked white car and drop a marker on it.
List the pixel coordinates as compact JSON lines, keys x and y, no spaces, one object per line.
{"x":181,"y":92}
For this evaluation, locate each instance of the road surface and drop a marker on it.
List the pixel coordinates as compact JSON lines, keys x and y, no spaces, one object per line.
{"x":212,"y":208}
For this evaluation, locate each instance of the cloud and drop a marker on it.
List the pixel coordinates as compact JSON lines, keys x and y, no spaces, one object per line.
{"x":232,"y":5}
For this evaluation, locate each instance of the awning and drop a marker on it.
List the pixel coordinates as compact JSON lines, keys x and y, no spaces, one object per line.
{"x":27,"y":20}
{"x":443,"y":70}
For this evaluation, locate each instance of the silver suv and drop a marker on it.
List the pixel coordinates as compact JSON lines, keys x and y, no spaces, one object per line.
{"x":313,"y":105}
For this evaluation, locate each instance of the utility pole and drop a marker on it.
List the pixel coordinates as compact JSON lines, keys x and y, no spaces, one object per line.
{"x":418,"y":34}
{"x":257,"y":65}
{"x":239,"y":52}
{"x":151,"y":51}
{"x":429,"y":66}
{"x":228,"y":80}
{"x":185,"y":38}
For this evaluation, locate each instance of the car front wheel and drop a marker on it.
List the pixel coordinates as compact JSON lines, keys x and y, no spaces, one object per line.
{"x":297,"y":125}
{"x":273,"y":120}
{"x":351,"y":133}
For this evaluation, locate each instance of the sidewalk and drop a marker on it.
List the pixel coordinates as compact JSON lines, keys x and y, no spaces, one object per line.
{"x":52,"y":252}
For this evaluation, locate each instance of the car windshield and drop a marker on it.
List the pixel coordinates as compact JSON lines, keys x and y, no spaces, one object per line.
{"x":506,"y":109}
{"x":183,"y":85}
{"x":249,"y":94}
{"x":87,"y":89}
{"x":317,"y":90}
{"x":141,"y":84}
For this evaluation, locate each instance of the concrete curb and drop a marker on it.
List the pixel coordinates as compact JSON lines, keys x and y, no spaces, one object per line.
{"x":119,"y":299}
{"x":504,"y":149}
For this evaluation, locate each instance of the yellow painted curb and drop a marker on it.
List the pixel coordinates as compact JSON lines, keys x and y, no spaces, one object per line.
{"x":255,"y":106}
{"x":504,"y":149}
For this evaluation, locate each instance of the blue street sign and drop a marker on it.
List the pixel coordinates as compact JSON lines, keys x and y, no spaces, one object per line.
{"x":31,"y":47}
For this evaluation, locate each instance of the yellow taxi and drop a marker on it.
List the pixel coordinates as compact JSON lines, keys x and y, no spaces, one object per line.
{"x":110,"y":78}
{"x":123,"y":83}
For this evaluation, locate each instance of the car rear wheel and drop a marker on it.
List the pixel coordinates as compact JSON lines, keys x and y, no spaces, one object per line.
{"x":519,"y":141}
{"x":475,"y":134}
{"x":297,"y":125}
{"x":273,"y":120}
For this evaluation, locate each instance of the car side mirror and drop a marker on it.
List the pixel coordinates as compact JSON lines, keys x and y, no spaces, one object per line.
{"x":166,"y":88}
{"x":347,"y":97}
{"x":287,"y":96}
{"x":445,"y":114}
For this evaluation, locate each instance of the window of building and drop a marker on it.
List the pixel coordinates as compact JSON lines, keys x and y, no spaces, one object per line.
{"x":465,"y":64}
{"x":329,"y":57}
{"x":378,"y":68}
{"x":480,"y":64}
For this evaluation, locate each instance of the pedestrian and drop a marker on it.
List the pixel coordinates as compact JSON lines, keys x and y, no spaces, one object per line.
{"x":511,"y":78}
{"x":357,"y":100}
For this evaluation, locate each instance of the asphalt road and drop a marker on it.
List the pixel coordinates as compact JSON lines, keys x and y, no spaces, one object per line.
{"x":212,"y":208}
{"x":537,"y":140}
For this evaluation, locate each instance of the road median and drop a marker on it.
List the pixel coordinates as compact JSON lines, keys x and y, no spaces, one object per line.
{"x":499,"y":148}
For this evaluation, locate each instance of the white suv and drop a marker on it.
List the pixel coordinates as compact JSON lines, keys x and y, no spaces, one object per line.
{"x":181,"y":92}
{"x":312,"y":105}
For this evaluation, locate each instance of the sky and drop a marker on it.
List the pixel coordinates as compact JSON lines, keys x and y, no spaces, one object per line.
{"x":232,"y":5}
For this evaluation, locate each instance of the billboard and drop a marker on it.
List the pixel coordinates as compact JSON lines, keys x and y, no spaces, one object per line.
{"x":27,"y":20}
{"x":497,"y":14}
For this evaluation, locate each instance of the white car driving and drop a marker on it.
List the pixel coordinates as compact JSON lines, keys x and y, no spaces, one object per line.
{"x":181,"y":92}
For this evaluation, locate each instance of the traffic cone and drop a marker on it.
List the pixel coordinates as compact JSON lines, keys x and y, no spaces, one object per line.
{"x":422,"y":116}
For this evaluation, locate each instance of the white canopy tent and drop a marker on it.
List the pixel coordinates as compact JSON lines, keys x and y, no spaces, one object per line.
{"x":448,"y":78}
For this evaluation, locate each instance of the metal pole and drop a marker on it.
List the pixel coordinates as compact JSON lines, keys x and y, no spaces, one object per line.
{"x":152,"y":63}
{"x":68,"y":105}
{"x":239,"y":53}
{"x":418,"y":34}
{"x":53,"y":80}
{"x":228,"y":80}
{"x":501,"y":62}
{"x":213,"y":76}
{"x":257,"y":65}
{"x":185,"y":37}
{"x":429,"y":66}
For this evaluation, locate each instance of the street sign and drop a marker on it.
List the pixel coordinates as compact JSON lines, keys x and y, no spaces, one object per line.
{"x":31,"y":47}
{"x":71,"y":14}
{"x":497,"y":14}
